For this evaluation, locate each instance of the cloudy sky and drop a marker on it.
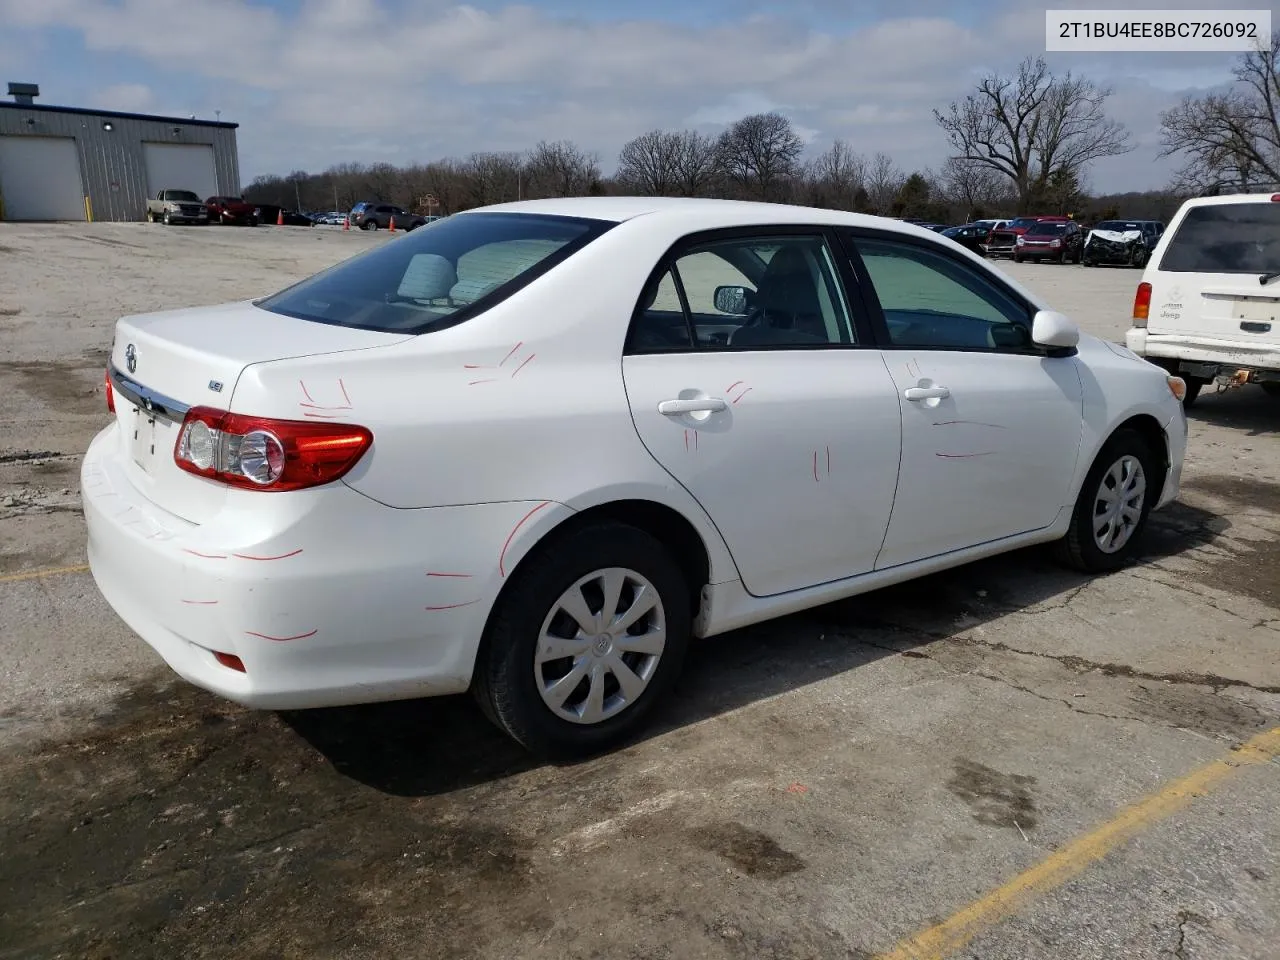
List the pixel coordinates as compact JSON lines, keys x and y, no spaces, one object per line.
{"x":317,"y":82}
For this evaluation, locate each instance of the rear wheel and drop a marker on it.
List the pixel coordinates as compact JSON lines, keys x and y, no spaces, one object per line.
{"x":585,"y":642}
{"x":370,"y":225}
{"x":1114,"y":504}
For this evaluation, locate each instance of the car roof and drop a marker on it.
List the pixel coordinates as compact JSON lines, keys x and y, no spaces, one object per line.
{"x":712,"y":213}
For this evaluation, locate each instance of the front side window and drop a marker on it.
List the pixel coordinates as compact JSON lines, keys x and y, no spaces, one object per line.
{"x":932,"y":301}
{"x":440,"y":275}
{"x":1226,"y":238}
{"x":746,"y":293}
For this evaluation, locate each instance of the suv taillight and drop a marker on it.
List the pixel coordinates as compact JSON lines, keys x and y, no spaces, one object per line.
{"x":258,"y":453}
{"x":111,"y":392}
{"x":1141,"y":304}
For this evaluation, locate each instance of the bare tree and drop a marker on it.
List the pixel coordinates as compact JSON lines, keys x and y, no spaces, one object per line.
{"x":833,"y":178}
{"x":1231,"y":138}
{"x":650,"y":164}
{"x":1033,"y":125}
{"x":492,"y":178}
{"x":561,"y":169}
{"x":697,"y":163}
{"x":974,"y":187}
{"x":759,"y":153}
{"x":884,"y":180}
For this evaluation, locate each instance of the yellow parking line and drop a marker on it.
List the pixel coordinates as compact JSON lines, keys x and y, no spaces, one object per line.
{"x":960,"y":928}
{"x":37,"y":574}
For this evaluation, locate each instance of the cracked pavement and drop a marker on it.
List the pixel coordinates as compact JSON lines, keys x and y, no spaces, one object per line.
{"x":822,"y":787}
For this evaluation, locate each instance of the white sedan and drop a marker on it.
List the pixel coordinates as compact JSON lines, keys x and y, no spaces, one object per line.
{"x":531,"y":450}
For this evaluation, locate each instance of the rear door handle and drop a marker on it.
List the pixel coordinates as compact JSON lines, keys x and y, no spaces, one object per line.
{"x":926,"y":393}
{"x":673,"y":408}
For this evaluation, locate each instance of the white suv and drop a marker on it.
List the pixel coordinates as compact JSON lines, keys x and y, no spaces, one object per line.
{"x":1208,"y":306}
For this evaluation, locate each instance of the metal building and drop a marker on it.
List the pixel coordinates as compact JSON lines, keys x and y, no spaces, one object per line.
{"x":66,"y":163}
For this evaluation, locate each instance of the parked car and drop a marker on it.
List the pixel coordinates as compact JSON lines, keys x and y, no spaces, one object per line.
{"x":270,"y":214}
{"x":329,"y":218}
{"x":318,"y":506}
{"x":1121,"y":241}
{"x":1208,"y":305}
{"x":971,"y":236}
{"x":231,"y":210}
{"x":1050,"y":240}
{"x":177,"y":206}
{"x":375,"y":216}
{"x":1004,"y":240}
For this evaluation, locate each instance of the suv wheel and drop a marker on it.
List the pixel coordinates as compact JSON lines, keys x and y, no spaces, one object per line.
{"x":586,"y":642}
{"x":369,"y":224}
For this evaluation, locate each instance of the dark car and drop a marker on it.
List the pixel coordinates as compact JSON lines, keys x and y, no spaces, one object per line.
{"x":269,"y":213}
{"x":377,"y":216}
{"x":1127,"y":242}
{"x":971,"y":236}
{"x":231,"y":210}
{"x":1050,"y":240}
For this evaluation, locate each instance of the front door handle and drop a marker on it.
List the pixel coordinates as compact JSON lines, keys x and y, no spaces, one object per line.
{"x":926,"y":393}
{"x":673,"y":408}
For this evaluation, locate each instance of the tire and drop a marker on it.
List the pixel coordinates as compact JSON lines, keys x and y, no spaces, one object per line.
{"x":1193,"y":390}
{"x":1140,"y":257}
{"x":370,"y":225}
{"x":1062,"y":257}
{"x":1015,"y":258}
{"x":1081,"y":547}
{"x":509,"y":680}
{"x":167,"y":221}
{"x":1272,"y":387}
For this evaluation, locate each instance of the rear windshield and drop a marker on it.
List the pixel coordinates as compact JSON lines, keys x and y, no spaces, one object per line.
{"x":1226,"y":238}
{"x":439,"y":274}
{"x":1023,"y":222}
{"x":1119,"y":226}
{"x":1047,"y":230}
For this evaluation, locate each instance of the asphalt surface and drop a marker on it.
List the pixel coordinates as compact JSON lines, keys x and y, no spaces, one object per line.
{"x":824,"y":786}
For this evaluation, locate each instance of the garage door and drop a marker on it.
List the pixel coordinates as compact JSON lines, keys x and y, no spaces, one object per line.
{"x":180,"y":166}
{"x":40,"y":178}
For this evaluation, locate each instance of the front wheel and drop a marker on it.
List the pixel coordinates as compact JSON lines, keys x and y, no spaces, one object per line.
{"x":168,"y":222}
{"x":585,"y":642}
{"x":370,"y":225}
{"x":1114,"y":504}
{"x":1140,"y":257}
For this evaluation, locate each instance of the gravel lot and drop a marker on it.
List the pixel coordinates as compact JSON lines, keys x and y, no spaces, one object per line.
{"x":825,"y":786}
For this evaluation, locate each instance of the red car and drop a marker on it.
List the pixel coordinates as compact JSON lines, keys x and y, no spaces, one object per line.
{"x":1002,"y":242}
{"x":231,"y":210}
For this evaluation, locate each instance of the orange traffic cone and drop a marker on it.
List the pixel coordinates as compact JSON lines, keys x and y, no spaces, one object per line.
{"x":346,"y":223}
{"x":280,"y":218}
{"x":393,"y":224}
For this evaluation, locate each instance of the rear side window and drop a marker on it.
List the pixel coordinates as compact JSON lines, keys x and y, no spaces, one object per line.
{"x":1226,"y":238}
{"x":439,"y":274}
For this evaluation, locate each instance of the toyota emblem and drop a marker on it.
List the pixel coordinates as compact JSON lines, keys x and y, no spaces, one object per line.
{"x":131,"y":358}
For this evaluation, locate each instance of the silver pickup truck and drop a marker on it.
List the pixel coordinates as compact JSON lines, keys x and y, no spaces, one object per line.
{"x":177,"y":206}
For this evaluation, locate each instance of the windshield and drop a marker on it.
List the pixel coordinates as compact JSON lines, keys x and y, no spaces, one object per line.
{"x":1047,"y":230}
{"x":439,"y":274}
{"x":1226,"y":238}
{"x":1023,"y":222}
{"x":186,"y":195}
{"x":1119,"y":226}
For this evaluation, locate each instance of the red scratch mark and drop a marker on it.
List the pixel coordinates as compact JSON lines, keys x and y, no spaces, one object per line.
{"x":263,"y":636}
{"x":311,"y":402}
{"x":475,"y":366}
{"x":474,"y":382}
{"x":502,"y":571}
{"x":828,"y":459}
{"x":245,"y":556}
{"x":964,"y":456}
{"x":207,"y":556}
{"x":304,"y":391}
{"x":797,"y":788}
{"x":695,"y":439}
{"x":736,"y":383}
{"x":201,"y":603}
{"x":343,"y":387}
{"x":512,"y":353}
{"x":432,"y":573}
{"x":686,"y":441}
{"x":741,"y":395}
{"x":522,"y":365}
{"x":322,"y":416}
{"x":976,"y":423}
{"x":452,"y":606}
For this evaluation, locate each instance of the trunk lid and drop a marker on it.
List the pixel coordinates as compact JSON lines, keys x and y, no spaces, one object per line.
{"x":1216,"y":306}
{"x":164,"y":363}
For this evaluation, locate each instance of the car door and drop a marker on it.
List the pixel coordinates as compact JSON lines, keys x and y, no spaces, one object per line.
{"x":991,"y":423}
{"x":753,"y":382}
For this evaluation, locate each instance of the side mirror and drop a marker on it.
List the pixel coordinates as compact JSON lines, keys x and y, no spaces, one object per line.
{"x":1052,"y":329}
{"x":731,"y":300}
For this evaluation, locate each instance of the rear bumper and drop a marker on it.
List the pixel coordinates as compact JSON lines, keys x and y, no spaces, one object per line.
{"x":1175,"y":432}
{"x":1205,"y":351}
{"x":326,"y":596}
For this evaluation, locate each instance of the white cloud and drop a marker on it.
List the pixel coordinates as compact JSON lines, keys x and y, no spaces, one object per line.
{"x":128,"y":97}
{"x":414,"y":80}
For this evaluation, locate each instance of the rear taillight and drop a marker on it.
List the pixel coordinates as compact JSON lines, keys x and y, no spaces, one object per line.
{"x":258,"y":453}
{"x":1141,"y":304}
{"x":1275,"y":198}
{"x":111,"y":393}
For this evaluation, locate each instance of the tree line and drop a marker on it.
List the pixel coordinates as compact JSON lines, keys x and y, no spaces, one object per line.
{"x":1021,"y":142}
